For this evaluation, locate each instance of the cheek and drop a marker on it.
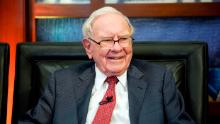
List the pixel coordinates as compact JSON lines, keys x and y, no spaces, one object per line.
{"x":128,"y":50}
{"x":100,"y":56}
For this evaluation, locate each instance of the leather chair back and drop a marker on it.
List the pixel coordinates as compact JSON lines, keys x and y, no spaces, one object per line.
{"x":188,"y":61}
{"x":4,"y":64}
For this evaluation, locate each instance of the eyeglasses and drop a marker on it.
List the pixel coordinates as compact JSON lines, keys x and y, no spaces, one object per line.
{"x":109,"y":43}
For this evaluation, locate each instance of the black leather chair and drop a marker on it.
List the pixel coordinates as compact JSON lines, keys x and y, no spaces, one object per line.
{"x":4,"y":64}
{"x":187,"y":60}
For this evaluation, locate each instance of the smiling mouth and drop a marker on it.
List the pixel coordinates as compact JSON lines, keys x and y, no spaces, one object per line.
{"x":115,"y":58}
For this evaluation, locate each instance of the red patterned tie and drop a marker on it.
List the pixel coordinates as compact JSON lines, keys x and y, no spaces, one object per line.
{"x":106,"y":106}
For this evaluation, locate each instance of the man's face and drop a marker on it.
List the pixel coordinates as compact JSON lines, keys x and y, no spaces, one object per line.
{"x":116,"y":59}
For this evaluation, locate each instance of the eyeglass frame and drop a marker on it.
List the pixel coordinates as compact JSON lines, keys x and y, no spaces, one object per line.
{"x":99,"y":43}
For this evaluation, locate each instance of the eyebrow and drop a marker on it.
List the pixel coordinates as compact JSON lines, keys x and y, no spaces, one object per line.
{"x":120,"y":36}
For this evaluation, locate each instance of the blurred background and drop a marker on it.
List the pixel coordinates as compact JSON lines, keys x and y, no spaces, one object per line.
{"x":154,"y":20}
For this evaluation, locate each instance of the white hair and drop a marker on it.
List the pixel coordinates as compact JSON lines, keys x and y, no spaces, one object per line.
{"x":87,"y":26}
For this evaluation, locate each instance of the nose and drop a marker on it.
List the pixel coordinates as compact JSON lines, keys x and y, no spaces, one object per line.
{"x":116,"y":46}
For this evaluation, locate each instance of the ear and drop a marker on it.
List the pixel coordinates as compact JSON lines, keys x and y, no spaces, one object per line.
{"x":87,"y":46}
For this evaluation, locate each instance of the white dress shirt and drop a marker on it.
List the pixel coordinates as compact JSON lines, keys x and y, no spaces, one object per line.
{"x":121,"y":111}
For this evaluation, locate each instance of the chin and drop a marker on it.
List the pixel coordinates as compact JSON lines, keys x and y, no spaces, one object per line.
{"x":116,"y":72}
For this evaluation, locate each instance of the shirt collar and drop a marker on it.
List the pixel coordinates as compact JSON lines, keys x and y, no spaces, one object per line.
{"x":123,"y":79}
{"x":100,"y":78}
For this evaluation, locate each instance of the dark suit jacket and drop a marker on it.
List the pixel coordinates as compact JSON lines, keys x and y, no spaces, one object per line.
{"x":153,"y":97}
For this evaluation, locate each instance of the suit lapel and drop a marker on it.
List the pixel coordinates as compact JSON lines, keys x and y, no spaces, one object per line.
{"x":136,"y":91}
{"x":83,"y":92}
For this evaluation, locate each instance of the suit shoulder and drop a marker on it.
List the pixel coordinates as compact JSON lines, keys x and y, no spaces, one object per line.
{"x":148,"y":66}
{"x":75,"y":68}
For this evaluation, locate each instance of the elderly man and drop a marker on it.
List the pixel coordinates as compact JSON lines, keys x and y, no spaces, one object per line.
{"x":113,"y":88}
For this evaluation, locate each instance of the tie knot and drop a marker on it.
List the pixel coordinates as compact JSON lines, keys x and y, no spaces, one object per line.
{"x":112,"y":80}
